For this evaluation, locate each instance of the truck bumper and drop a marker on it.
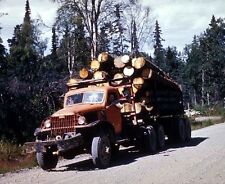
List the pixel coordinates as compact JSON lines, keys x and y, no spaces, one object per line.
{"x":61,"y":145}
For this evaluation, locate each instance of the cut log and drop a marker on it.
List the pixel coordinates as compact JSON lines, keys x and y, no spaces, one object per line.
{"x":100,"y":75}
{"x":120,"y":89}
{"x":127,"y":107}
{"x":95,"y":65}
{"x":73,"y":82}
{"x":128,"y":71}
{"x":118,"y":76}
{"x":118,"y":63}
{"x":138,"y":63}
{"x":125,"y":59}
{"x":103,"y":57}
{"x":84,"y":73}
{"x":146,"y":73}
{"x":135,"y":90}
{"x":138,"y":107}
{"x":138,"y":82}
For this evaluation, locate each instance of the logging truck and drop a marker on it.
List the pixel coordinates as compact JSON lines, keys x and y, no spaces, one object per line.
{"x":120,"y":101}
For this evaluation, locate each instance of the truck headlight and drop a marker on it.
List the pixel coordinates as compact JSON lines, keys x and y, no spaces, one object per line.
{"x":47,"y":123}
{"x":81,"y":120}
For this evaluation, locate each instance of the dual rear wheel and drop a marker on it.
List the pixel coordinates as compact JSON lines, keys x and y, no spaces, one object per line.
{"x":153,"y":139}
{"x":180,"y":131}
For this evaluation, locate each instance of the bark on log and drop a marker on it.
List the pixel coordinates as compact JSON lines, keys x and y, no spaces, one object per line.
{"x":146,"y":73}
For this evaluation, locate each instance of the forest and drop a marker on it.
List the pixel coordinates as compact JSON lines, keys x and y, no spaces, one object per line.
{"x":32,"y":84}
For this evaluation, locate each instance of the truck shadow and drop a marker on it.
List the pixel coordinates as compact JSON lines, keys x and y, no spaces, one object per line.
{"x":128,"y":155}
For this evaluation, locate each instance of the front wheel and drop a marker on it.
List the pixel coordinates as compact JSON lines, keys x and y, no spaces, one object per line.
{"x":46,"y":160}
{"x":101,"y":151}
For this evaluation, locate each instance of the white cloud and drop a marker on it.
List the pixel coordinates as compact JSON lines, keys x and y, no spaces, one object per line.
{"x":16,"y":10}
{"x":181,"y":20}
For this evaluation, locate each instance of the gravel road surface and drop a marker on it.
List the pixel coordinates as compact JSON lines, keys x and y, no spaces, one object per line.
{"x":202,"y":160}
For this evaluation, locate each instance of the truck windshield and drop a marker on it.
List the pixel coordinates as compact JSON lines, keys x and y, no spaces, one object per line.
{"x":86,"y":97}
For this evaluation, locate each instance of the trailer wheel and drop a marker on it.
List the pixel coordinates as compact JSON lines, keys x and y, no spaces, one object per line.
{"x":101,"y":151}
{"x":150,"y":140}
{"x":46,"y":160}
{"x":181,"y":130}
{"x":160,"y":137}
{"x":188,"y":130}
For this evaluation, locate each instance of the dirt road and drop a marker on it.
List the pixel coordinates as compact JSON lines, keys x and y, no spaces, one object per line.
{"x":200,"y":161}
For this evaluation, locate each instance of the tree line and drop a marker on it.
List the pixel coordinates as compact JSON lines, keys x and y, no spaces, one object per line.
{"x":32,"y":84}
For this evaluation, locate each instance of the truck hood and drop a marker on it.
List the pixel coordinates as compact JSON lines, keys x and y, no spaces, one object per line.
{"x":80,"y":109}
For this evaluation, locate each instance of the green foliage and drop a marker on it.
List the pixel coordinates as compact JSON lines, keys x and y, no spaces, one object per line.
{"x":29,"y":92}
{"x":206,"y":66}
{"x":159,"y":57}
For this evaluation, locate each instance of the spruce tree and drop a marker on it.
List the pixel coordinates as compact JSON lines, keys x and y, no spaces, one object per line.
{"x":54,"y":44}
{"x":25,"y":105}
{"x":119,"y":39}
{"x":159,"y":57}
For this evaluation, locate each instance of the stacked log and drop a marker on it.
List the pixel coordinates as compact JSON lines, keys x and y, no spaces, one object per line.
{"x":153,"y":91}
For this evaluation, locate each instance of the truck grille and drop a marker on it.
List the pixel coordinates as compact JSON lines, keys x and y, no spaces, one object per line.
{"x":61,"y":125}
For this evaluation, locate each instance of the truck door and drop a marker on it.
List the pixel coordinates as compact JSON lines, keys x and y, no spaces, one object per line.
{"x":113,"y":113}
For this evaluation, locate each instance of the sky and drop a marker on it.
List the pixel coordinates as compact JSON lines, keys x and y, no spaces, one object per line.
{"x":179,"y":20}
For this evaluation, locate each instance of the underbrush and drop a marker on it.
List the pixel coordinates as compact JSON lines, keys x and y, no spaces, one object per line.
{"x":197,"y":125}
{"x":14,"y":157}
{"x":216,"y":110}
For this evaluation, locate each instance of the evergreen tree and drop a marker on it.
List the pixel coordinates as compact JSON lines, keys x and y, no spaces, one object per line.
{"x":73,"y":48}
{"x":159,"y":57}
{"x":205,"y":63}
{"x":105,"y":36}
{"x":171,"y":62}
{"x":23,"y":102}
{"x":54,"y":44}
{"x":134,"y":39}
{"x":119,"y":41}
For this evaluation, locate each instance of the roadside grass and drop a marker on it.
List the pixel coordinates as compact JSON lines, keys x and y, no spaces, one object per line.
{"x":14,"y":157}
{"x":213,"y":111}
{"x":197,"y":125}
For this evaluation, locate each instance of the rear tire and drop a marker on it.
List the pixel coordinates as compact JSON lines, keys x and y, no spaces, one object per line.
{"x":150,"y":140}
{"x":101,"y":151}
{"x":181,"y":130}
{"x":46,"y":160}
{"x":188,"y":130}
{"x":160,"y":137}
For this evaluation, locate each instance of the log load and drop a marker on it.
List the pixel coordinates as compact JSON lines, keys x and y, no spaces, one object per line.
{"x":153,"y":91}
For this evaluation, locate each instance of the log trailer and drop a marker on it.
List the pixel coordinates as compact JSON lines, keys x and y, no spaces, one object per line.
{"x":117,"y":101}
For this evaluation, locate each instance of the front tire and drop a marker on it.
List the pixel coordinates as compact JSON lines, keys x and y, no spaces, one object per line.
{"x":101,"y":151}
{"x":46,"y":160}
